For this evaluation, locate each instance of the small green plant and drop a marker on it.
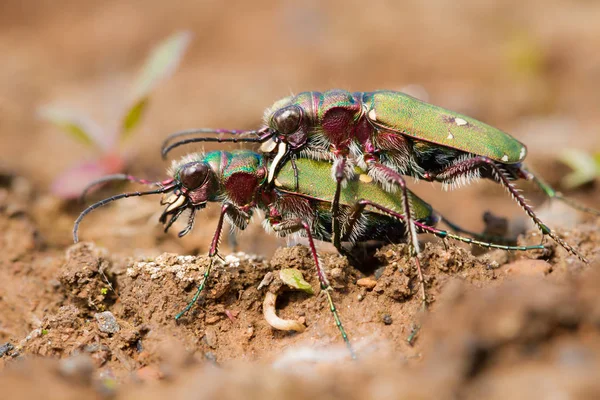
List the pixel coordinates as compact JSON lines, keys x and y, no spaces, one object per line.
{"x":108,"y":143}
{"x":585,"y":168}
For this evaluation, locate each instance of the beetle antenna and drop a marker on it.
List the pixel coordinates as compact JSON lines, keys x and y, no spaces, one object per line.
{"x":167,"y":146}
{"x":167,"y":149}
{"x":120,"y":177}
{"x":576,"y":205}
{"x":110,"y":200}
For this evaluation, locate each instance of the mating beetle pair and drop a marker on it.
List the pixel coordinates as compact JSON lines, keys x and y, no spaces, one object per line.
{"x":389,"y":134}
{"x":299,"y":202}
{"x":367,"y":142}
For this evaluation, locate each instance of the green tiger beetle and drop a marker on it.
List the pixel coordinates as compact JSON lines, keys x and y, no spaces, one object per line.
{"x":298,"y":201}
{"x":388,"y":134}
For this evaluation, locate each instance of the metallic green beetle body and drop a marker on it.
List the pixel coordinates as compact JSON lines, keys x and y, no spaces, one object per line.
{"x":404,"y":114}
{"x":314,"y":180}
{"x":410,"y":136}
{"x":299,"y":202}
{"x":389,"y":135}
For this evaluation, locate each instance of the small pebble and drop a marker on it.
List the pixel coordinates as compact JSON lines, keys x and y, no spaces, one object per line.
{"x":210,"y":356}
{"x":387,"y":319}
{"x":5,"y":348}
{"x":369,"y":283}
{"x":210,"y":337}
{"x":78,"y":368}
{"x":107,"y":322}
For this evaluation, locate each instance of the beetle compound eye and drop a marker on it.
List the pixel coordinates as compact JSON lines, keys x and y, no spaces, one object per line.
{"x":287,"y":120}
{"x":193,"y":175}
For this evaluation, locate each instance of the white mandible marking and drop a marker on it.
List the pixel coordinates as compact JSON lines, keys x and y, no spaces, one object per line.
{"x":373,"y":115}
{"x":268,"y":146}
{"x":281,"y":150}
{"x":178,"y":203}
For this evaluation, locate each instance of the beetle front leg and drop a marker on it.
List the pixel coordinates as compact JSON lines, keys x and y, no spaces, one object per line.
{"x":351,"y":224}
{"x":339,"y":174}
{"x":385,"y":176}
{"x":468,"y":166}
{"x":212,"y":253}
{"x":295,"y":225}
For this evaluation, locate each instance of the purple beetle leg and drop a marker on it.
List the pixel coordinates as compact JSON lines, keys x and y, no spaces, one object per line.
{"x":383,"y":173}
{"x":357,"y":211}
{"x":294,"y":225}
{"x":467,"y":167}
{"x":359,"y":208}
{"x":339,"y":171}
{"x":360,"y":205}
{"x":214,"y":251}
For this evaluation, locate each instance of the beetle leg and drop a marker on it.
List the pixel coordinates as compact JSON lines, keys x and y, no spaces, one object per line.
{"x":386,"y":175}
{"x":474,"y":164}
{"x":360,"y":205}
{"x":479,"y":236}
{"x":296,"y":224}
{"x":295,"y":168}
{"x":553,"y":194}
{"x":352,"y":222}
{"x":339,"y":169}
{"x":359,"y":208}
{"x":213,"y":252}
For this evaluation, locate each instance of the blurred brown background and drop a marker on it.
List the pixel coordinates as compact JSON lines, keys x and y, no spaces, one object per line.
{"x":531,"y":68}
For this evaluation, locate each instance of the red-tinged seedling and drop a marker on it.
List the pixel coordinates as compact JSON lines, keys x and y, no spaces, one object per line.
{"x":109,"y":143}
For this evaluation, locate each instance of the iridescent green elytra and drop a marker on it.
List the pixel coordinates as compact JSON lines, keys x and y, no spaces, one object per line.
{"x":404,"y":114}
{"x":314,"y":180}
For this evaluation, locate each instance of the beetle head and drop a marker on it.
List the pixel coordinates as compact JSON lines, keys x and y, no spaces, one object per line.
{"x":290,"y":119}
{"x":194,"y":187}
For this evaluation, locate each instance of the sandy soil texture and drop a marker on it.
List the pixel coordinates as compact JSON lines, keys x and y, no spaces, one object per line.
{"x":96,"y":319}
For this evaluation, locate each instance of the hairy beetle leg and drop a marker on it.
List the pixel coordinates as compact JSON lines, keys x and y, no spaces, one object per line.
{"x":475,"y":163}
{"x":291,"y":225}
{"x":212,"y":254}
{"x":339,"y":172}
{"x":359,"y":208}
{"x":379,"y":170}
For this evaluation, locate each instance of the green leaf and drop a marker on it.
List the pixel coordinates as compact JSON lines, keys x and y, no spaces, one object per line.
{"x":161,"y":63}
{"x":133,"y":116}
{"x":294,"y":279}
{"x":78,"y":127}
{"x":597,"y":161}
{"x":584,"y":166}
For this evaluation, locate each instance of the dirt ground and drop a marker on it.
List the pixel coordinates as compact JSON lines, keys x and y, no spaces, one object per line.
{"x":96,"y":319}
